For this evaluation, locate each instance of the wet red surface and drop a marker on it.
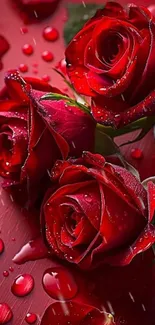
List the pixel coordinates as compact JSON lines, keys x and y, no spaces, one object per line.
{"x":128,"y":292}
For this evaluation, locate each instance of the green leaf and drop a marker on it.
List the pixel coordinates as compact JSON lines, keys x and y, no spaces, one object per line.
{"x":105,"y":145}
{"x":149,"y":122}
{"x":78,"y":16}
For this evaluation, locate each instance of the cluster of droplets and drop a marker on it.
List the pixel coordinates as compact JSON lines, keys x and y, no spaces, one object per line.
{"x":50,"y":34}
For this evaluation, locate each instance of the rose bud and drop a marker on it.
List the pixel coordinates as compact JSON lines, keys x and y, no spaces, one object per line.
{"x":97,"y":213}
{"x":35,"y":10}
{"x":75,"y":313}
{"x":112,"y":59}
{"x":33,"y":134}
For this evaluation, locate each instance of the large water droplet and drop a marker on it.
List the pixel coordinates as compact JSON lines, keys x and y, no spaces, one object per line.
{"x":22,"y":285}
{"x":59,"y":283}
{"x":5,"y":313}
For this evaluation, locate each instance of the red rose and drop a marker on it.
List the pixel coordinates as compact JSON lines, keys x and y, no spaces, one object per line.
{"x":99,"y":213}
{"x":33,"y":135}
{"x":75,"y":313}
{"x":112,"y":59}
{"x":35,"y":10}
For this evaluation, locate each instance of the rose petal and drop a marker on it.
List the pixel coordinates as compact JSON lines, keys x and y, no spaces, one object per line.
{"x":144,"y":241}
{"x":151,"y":200}
{"x":15,"y":86}
{"x":75,"y":313}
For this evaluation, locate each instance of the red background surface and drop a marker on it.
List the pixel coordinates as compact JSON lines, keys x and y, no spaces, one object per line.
{"x":22,"y":227}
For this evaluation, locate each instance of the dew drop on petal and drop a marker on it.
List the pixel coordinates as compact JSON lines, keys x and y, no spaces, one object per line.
{"x":136,"y":153}
{"x":88,"y":198}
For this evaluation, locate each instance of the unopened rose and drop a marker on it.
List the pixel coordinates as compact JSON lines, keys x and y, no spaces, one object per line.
{"x":33,"y":134}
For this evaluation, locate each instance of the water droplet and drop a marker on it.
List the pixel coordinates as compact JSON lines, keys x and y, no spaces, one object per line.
{"x":22,"y":285}
{"x":61,"y":66}
{"x":35,"y":65}
{"x":46,"y":78}
{"x":33,"y":250}
{"x":13,"y":239}
{"x":50,"y":34}
{"x":27,"y":49}
{"x":11,"y":269}
{"x":65,"y":89}
{"x":1,"y":246}
{"x":47,"y":56}
{"x":23,"y":67}
{"x":5,"y":313}
{"x":31,"y":318}
{"x":5,"y":274}
{"x":24,"y":30}
{"x":136,"y":153}
{"x":35,"y":71}
{"x":59,"y":283}
{"x":88,"y":198}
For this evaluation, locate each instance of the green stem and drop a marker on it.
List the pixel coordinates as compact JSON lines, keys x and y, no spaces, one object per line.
{"x":55,"y":96}
{"x":139,"y":124}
